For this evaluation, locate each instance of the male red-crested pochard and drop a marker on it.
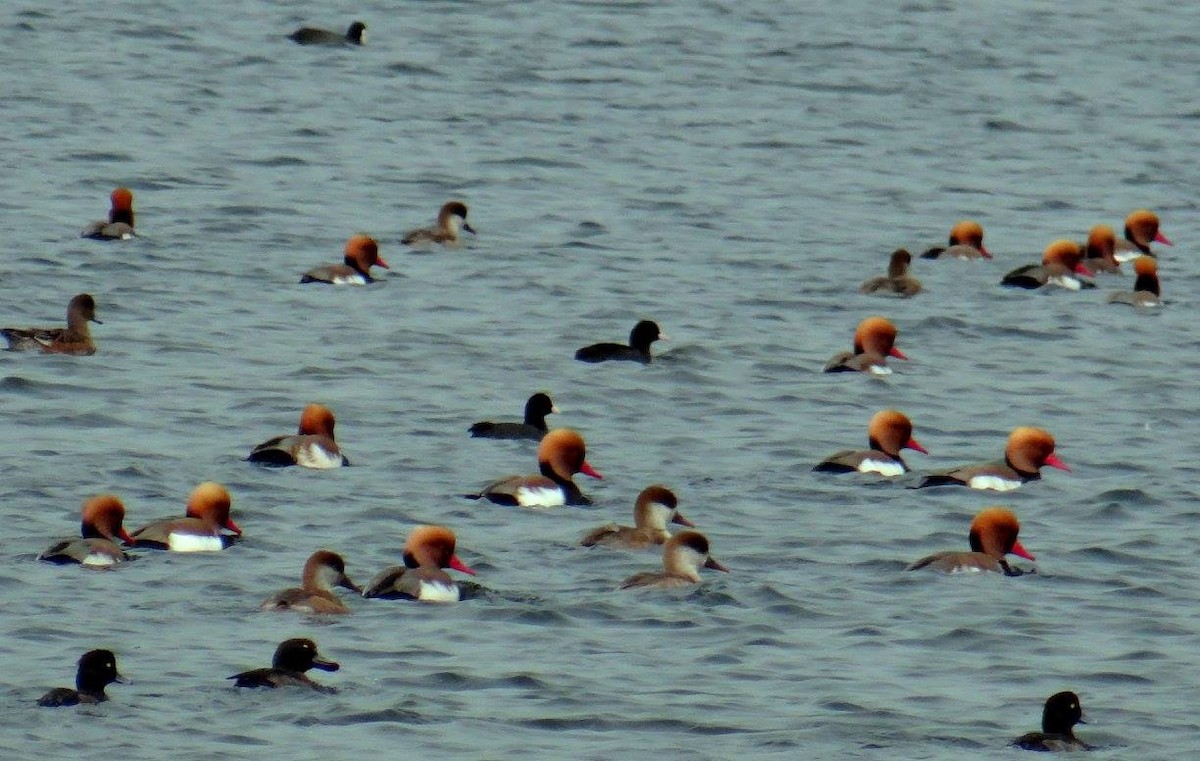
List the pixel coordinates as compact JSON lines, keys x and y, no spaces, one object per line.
{"x":323,"y":571}
{"x":993,"y":535}
{"x":312,"y":446}
{"x":307,"y":35}
{"x":534,"y":426}
{"x":292,"y":658}
{"x":966,"y":242}
{"x":97,"y":669}
{"x":1061,"y":261}
{"x":683,"y":556}
{"x":427,"y":551}
{"x":1098,"y":252}
{"x":655,"y":506}
{"x":874,"y":341}
{"x":643,"y":334}
{"x":75,"y":339}
{"x":1141,"y":229}
{"x":451,"y":218}
{"x":561,"y":455}
{"x":1145,"y":291}
{"x":119,"y":225}
{"x":361,"y":253}
{"x":200,"y":530}
{"x":888,"y":432}
{"x":1059,"y":717}
{"x":1028,"y":450}
{"x":100,"y":528}
{"x":897,"y":282}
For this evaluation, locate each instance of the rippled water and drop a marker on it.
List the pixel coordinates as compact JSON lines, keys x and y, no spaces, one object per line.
{"x":730,"y":169}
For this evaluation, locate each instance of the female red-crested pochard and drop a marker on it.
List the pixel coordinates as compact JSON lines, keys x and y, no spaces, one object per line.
{"x":643,"y":334}
{"x":874,"y":341}
{"x":655,"y":507}
{"x":534,"y":426}
{"x":97,"y":669}
{"x":888,"y":432}
{"x":200,"y":530}
{"x":362,"y":253}
{"x":683,"y":556}
{"x":561,"y":455}
{"x":312,"y":446}
{"x":1028,"y":450}
{"x":1061,"y":261}
{"x":74,"y":339}
{"x":323,"y":571}
{"x":292,"y":658}
{"x":307,"y":35}
{"x":119,"y":225}
{"x":1141,"y":229}
{"x":451,"y":218}
{"x":1145,"y":291}
{"x":897,"y":282}
{"x":1099,"y":251}
{"x":1059,"y":717}
{"x":993,"y":535}
{"x":966,"y":242}
{"x":427,"y":551}
{"x":100,"y":528}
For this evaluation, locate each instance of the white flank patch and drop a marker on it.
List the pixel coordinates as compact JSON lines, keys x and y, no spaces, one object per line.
{"x":99,"y":559}
{"x":179,"y":542}
{"x":126,"y":236}
{"x":432,"y":591}
{"x":316,"y":456}
{"x":355,"y":279}
{"x":1127,"y":256}
{"x":1065,"y":281}
{"x":995,"y":483}
{"x":882,"y":467}
{"x":879,"y":370}
{"x":966,"y":569}
{"x":540,"y":496}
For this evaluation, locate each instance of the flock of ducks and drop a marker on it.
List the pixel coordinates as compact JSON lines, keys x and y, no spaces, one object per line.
{"x":429,"y":550}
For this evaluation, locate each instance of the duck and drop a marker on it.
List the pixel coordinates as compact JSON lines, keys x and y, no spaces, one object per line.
{"x":683,"y":556}
{"x":1061,"y":261}
{"x":1145,"y":291}
{"x":561,"y":455}
{"x":292,"y":658}
{"x":427,"y":551}
{"x":1027,"y":451}
{"x":451,"y":218}
{"x":897,"y":281}
{"x":643,"y":334}
{"x":323,"y":571}
{"x":1098,"y":251}
{"x":100,"y":528}
{"x":307,"y":35}
{"x":119,"y":225}
{"x":312,"y":446}
{"x":200,"y":529}
{"x":873,"y":344}
{"x":966,"y":242}
{"x":75,"y":339}
{"x":537,"y":407}
{"x":888,"y":432}
{"x":1141,"y":229}
{"x":361,"y":253}
{"x":993,"y":535}
{"x":1059,"y":717}
{"x":97,"y":670}
{"x":655,"y":506}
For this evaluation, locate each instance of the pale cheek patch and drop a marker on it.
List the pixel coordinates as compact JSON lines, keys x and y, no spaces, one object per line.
{"x":316,"y":456}
{"x":434,"y":592}
{"x":882,"y":467}
{"x":194,"y":543}
{"x":995,"y":483}
{"x":540,"y":496}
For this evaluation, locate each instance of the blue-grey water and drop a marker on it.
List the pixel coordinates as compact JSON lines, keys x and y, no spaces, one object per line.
{"x":731,"y":169}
